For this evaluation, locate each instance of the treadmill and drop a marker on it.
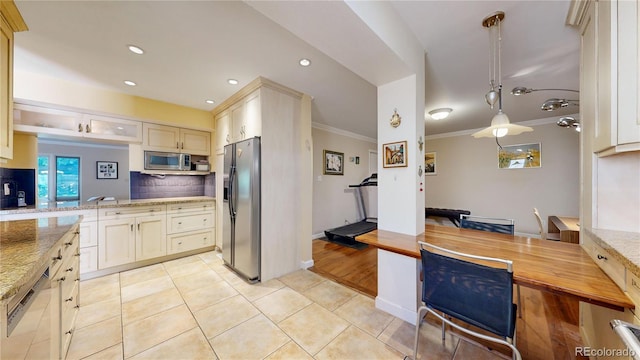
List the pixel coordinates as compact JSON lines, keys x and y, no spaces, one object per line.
{"x":368,"y":201}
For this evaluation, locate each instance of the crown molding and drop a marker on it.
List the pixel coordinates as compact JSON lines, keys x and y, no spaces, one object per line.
{"x":346,"y":133}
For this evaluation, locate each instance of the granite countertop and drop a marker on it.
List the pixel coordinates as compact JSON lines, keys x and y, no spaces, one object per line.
{"x":27,"y":246}
{"x":76,"y":205}
{"x":622,"y":245}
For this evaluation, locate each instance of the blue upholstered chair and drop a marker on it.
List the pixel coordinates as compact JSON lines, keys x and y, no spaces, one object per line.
{"x":478,"y":294}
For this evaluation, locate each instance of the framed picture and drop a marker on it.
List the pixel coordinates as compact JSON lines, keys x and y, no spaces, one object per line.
{"x":519,"y":156}
{"x":430,"y":163}
{"x":107,"y":169}
{"x":394,"y":154}
{"x":333,"y":162}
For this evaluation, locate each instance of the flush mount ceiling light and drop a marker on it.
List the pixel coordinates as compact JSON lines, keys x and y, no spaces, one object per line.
{"x":233,"y":81}
{"x":439,"y":114}
{"x":304,"y":62}
{"x":209,"y":101}
{"x":135,"y":49}
{"x":569,"y":122}
{"x":500,"y":125}
{"x":130,"y":83}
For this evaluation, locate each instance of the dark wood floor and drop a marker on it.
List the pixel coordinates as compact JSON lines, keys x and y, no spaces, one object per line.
{"x":547,"y":330}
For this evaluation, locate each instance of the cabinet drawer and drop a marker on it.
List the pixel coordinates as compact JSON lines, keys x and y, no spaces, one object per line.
{"x":191,"y":207}
{"x":614,"y":269}
{"x":119,"y":213}
{"x":633,"y":290}
{"x":189,"y":241}
{"x":191,"y":222}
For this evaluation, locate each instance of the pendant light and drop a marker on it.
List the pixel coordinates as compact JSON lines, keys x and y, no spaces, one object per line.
{"x":500,"y":125}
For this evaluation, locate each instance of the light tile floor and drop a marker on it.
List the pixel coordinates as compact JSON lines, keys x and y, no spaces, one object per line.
{"x":196,"y":308}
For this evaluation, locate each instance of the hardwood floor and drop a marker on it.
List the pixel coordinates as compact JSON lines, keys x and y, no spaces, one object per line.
{"x":547,"y":330}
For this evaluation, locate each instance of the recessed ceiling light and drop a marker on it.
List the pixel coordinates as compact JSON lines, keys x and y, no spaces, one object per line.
{"x":130,"y":83}
{"x":439,"y":114}
{"x":305,"y":62}
{"x":135,"y":49}
{"x":209,"y":101}
{"x":233,"y":81}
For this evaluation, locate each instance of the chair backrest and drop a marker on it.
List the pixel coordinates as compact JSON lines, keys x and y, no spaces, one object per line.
{"x":497,"y":225}
{"x":477,"y":294}
{"x":539,"y":220}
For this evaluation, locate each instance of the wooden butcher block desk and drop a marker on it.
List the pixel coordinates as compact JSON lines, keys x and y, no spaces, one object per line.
{"x":557,"y":267}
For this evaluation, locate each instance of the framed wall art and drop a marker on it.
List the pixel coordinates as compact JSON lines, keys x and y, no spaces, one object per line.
{"x":394,"y":154}
{"x":107,"y":169}
{"x":519,"y":156}
{"x":430,"y":163}
{"x":333,"y":162}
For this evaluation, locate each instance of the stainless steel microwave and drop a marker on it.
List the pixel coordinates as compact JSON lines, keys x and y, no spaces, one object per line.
{"x":155,"y":160}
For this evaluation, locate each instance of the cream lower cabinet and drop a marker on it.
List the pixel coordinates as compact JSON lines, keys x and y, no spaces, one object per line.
{"x":126,"y":235}
{"x":65,"y":291}
{"x":190,"y":226}
{"x":88,"y":243}
{"x":594,"y":320}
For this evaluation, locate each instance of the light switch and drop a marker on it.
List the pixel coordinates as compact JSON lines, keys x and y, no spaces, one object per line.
{"x":7,"y":191}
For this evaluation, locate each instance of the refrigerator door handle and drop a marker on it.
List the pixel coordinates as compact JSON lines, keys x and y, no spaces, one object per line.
{"x":232,"y":208}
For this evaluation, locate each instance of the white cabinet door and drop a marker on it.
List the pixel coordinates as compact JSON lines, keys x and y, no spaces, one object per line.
{"x":628,"y":73}
{"x":88,"y":233}
{"x":223,"y":131}
{"x":108,"y":128}
{"x":88,"y":259}
{"x":195,"y":142}
{"x":252,"y":115}
{"x":116,"y":242}
{"x":237,"y":122}
{"x":6,"y":90}
{"x":161,"y":137}
{"x":150,"y":237}
{"x":36,"y":119}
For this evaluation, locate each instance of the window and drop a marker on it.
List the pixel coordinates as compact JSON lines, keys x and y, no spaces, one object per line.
{"x":65,"y":175}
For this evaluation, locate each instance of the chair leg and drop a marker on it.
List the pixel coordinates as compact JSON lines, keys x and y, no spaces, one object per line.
{"x":421,"y":311}
{"x":443,"y":328}
{"x":519,"y":302}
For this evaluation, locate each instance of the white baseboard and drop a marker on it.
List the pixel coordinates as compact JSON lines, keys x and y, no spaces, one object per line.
{"x":306,"y":264}
{"x":397,"y":311}
{"x":317,"y":236}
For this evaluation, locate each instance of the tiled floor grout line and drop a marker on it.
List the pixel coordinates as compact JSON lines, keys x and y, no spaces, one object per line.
{"x":249,"y":297}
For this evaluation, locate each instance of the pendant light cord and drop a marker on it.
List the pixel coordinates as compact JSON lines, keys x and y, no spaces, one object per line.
{"x":499,"y":146}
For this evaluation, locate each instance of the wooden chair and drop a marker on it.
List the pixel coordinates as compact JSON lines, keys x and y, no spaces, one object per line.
{"x":543,"y":234}
{"x":479,"y":295}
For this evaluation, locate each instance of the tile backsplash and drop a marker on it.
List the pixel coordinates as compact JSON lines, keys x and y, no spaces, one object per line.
{"x":145,"y":186}
{"x":15,"y":180}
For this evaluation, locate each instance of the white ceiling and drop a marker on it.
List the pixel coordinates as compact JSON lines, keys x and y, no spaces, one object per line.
{"x":193,"y":47}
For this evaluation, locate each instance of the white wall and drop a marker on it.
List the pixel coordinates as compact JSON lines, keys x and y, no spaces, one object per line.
{"x":468,"y":177}
{"x":89,"y":154}
{"x":333,"y":200}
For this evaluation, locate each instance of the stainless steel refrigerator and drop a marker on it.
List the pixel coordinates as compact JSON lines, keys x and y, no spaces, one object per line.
{"x":241,"y":207}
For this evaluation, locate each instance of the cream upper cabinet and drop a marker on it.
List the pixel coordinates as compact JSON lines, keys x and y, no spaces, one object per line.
{"x":44,"y":120}
{"x":223,"y":131}
{"x":10,"y":21}
{"x":103,"y":127}
{"x":173,"y":139}
{"x":610,"y":82}
{"x":243,"y":120}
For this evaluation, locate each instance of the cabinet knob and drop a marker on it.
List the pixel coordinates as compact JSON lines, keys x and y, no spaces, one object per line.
{"x":179,"y":242}
{"x":77,"y":232}
{"x":62,"y":279}
{"x":79,"y":127}
{"x":180,"y":223}
{"x":88,"y":129}
{"x":68,"y":243}
{"x":131,"y":227}
{"x":69,"y":332}
{"x":69,"y":299}
{"x":59,"y":257}
{"x":177,"y":145}
{"x":69,"y":269}
{"x":601,"y":257}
